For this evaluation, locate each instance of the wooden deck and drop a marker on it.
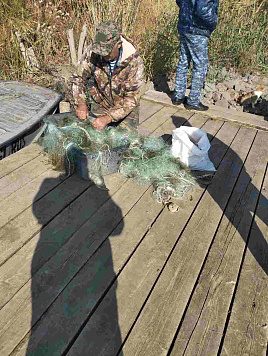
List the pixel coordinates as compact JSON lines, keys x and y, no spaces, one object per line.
{"x":84,"y":271}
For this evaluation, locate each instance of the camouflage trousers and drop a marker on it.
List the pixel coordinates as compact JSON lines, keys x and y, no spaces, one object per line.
{"x":192,"y":48}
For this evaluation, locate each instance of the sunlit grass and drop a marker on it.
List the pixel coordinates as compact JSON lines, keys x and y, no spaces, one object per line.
{"x":240,"y":40}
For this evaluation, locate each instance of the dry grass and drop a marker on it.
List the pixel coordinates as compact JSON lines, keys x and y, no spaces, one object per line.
{"x":240,"y":40}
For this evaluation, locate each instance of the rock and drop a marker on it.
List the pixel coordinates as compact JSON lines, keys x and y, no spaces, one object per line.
{"x":205,"y":101}
{"x":229,"y":84}
{"x":234,"y":95}
{"x":150,"y":86}
{"x":226,"y":95}
{"x":216,"y":96}
{"x":223,"y":103}
{"x":250,"y":87}
{"x":240,"y":85}
{"x":264,"y":80}
{"x":64,"y":106}
{"x":209,"y":96}
{"x":239,"y":108}
{"x":209,"y":87}
{"x":221,"y":87}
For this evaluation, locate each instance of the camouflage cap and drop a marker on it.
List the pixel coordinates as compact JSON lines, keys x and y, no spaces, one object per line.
{"x":107,"y":35}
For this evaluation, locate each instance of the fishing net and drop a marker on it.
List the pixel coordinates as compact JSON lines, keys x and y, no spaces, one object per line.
{"x":73,"y":145}
{"x":150,"y":162}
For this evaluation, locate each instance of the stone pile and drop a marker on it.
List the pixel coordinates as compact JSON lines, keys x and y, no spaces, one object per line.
{"x":224,"y":88}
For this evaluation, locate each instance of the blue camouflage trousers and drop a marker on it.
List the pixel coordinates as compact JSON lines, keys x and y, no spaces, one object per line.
{"x":192,"y":48}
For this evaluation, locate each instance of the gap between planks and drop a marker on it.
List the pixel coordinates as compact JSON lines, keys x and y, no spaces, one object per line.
{"x":204,"y":318}
{"x":146,"y":204}
{"x":170,"y":111}
{"x":117,"y":259}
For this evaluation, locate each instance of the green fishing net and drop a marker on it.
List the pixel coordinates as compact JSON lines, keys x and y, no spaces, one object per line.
{"x":152,"y":163}
{"x":73,"y":145}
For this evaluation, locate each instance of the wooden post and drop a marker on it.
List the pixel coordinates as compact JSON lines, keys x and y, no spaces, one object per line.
{"x":70,"y":35}
{"x":82,"y":41}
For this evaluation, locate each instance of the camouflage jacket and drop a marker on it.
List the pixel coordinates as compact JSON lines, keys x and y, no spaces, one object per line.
{"x":116,"y":95}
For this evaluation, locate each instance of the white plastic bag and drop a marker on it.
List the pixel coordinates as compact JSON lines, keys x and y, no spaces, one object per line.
{"x":191,"y":145}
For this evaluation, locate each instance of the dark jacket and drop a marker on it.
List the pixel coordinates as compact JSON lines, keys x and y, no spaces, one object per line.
{"x":198,"y":17}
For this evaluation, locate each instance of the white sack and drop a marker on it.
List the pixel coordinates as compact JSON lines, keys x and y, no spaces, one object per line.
{"x":191,"y":145}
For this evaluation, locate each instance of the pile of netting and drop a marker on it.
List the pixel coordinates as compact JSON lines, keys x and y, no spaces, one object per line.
{"x":147,"y":160}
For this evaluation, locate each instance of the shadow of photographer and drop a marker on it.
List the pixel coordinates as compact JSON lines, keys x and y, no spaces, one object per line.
{"x":72,"y":270}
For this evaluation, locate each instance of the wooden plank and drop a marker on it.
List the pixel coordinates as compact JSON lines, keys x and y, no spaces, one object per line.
{"x":23,"y":175}
{"x":179,"y":118}
{"x":204,"y":322}
{"x":18,"y":159}
{"x":23,"y":198}
{"x":29,"y":248}
{"x":217,"y":112}
{"x":76,"y":242}
{"x":147,"y":109}
{"x":186,"y":118}
{"x":163,"y":311}
{"x":19,"y":202}
{"x":247,"y":329}
{"x":152,"y":123}
{"x":33,"y":300}
{"x":134,"y":283}
{"x":22,"y":266}
{"x":17,"y":232}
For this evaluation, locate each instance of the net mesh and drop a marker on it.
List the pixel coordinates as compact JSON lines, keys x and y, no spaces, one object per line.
{"x":147,"y":160}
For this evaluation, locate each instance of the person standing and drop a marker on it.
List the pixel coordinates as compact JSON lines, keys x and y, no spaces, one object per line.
{"x":197,"y":20}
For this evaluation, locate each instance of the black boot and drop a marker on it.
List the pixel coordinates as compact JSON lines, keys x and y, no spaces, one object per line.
{"x":177,"y":101}
{"x":198,"y":107}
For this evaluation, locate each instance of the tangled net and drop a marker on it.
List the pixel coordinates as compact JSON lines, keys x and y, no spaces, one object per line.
{"x":147,"y":160}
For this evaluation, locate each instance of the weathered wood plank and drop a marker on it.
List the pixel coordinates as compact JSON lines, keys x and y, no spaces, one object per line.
{"x":75,"y":241}
{"x":178,"y":119}
{"x":18,"y":159}
{"x":23,"y":198}
{"x":135,"y":282}
{"x":180,"y":273}
{"x":247,"y":330}
{"x":27,"y":250}
{"x":51,"y":279}
{"x":20,"y":230}
{"x":20,"y":267}
{"x":154,"y":121}
{"x":240,"y":118}
{"x":147,"y":109}
{"x":23,"y":175}
{"x":204,"y":322}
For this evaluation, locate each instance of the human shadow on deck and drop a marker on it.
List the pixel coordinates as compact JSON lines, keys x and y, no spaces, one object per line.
{"x":245,"y":191}
{"x":72,"y":270}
